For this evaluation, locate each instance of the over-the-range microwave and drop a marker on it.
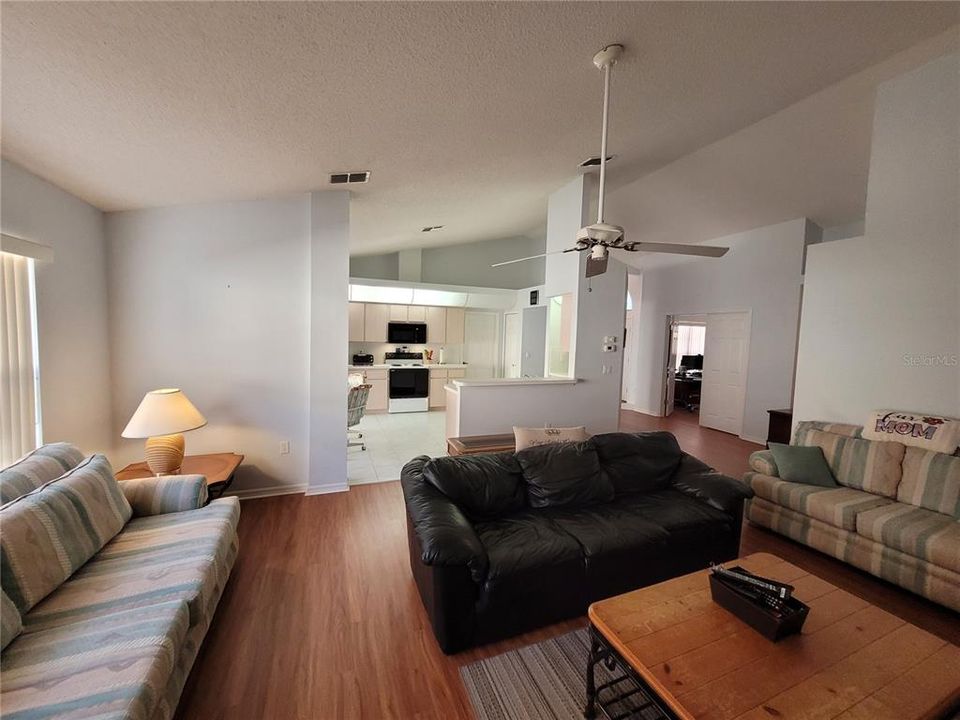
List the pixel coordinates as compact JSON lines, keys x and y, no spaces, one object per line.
{"x":407,"y":333}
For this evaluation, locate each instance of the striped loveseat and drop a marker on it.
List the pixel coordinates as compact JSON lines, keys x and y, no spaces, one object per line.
{"x":896,"y":514}
{"x":108,"y":588}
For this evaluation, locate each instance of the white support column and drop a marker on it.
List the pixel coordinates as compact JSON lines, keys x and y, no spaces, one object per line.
{"x":329,"y":281}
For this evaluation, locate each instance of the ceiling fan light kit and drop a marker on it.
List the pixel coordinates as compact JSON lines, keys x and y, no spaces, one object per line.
{"x":602,"y":237}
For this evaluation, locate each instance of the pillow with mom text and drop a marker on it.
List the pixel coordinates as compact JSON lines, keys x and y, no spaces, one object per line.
{"x":930,"y":432}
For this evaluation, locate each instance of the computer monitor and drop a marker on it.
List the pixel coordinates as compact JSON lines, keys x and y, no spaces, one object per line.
{"x":692,"y":362}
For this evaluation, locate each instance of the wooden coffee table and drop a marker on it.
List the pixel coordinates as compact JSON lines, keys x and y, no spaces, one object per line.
{"x":853,"y":661}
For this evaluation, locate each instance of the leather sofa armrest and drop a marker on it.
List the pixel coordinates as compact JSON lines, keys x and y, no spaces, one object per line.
{"x":702,"y":482}
{"x":445,"y":536}
{"x":165,"y":494}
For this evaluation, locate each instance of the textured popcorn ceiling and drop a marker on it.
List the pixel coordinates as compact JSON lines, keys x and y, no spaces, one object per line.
{"x":467,"y":114}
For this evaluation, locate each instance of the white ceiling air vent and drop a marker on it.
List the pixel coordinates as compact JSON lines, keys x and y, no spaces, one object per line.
{"x":593,"y":162}
{"x":350,"y":178}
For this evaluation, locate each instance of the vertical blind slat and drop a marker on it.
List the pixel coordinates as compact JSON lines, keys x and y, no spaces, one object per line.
{"x":18,"y":404}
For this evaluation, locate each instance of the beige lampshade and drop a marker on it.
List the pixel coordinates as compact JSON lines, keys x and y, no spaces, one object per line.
{"x":163,"y":412}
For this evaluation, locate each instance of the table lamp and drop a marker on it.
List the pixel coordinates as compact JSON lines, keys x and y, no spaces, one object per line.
{"x":161,"y":418}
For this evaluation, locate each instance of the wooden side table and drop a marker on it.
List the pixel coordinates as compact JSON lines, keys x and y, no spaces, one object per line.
{"x":219,"y":470}
{"x":475,"y":444}
{"x":781,"y":425}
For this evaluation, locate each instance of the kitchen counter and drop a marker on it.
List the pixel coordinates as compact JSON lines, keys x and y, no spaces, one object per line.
{"x":428,"y":366}
{"x":511,"y":382}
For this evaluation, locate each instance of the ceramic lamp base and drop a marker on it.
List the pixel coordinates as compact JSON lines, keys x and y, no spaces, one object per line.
{"x":164,"y":453}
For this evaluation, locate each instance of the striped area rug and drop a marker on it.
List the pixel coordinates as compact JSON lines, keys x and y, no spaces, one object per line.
{"x":545,"y":681}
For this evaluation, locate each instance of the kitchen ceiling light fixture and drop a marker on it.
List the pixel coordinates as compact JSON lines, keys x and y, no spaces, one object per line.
{"x":602,"y":237}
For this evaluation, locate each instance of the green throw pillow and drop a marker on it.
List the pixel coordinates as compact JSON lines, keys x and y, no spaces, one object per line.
{"x":800,"y":464}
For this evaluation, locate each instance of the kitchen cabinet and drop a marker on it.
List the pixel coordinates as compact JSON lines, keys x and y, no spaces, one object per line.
{"x":356,"y":315}
{"x":375,"y":320}
{"x":379,"y":395}
{"x":417,"y":313}
{"x":438,"y":396}
{"x":454,"y":334}
{"x":398,"y":313}
{"x":439,"y":377}
{"x":436,"y":318}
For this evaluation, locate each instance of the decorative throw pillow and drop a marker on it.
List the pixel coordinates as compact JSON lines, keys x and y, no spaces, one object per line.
{"x":805,"y":465}
{"x":50,"y":533}
{"x":564,"y":474}
{"x":46,"y":463}
{"x":531,"y":437}
{"x":930,"y":432}
{"x":12,"y":622}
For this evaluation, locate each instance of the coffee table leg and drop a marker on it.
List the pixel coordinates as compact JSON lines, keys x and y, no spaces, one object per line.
{"x":590,"y":710}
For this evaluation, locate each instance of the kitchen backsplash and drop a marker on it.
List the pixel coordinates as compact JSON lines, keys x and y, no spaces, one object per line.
{"x":451,"y":353}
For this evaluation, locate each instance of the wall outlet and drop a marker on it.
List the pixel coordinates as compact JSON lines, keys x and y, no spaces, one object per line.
{"x":284,"y":447}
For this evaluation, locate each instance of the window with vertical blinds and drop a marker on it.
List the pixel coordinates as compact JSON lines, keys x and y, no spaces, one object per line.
{"x":19,"y":414}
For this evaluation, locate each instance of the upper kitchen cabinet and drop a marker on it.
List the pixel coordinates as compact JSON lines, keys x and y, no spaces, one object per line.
{"x":375,"y":321}
{"x":398,"y":313}
{"x":417,"y":313}
{"x":436,"y":325}
{"x":356,"y":322}
{"x":454,"y":329}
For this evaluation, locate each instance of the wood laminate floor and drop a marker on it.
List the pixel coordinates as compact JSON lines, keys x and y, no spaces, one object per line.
{"x":321,"y":619}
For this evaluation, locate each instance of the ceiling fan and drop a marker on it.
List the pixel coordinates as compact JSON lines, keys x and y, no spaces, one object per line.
{"x":601,"y":237}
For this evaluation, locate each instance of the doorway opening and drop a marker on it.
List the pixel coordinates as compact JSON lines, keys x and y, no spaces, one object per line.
{"x":706,"y":368}
{"x":686,"y":338}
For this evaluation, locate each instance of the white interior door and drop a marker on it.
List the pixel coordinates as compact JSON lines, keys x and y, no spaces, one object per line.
{"x":669,"y":396}
{"x":511,"y":345}
{"x":480,"y":344}
{"x":724,"y":387}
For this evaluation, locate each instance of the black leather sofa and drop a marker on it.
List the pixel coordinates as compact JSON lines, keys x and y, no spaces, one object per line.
{"x":504,"y":543}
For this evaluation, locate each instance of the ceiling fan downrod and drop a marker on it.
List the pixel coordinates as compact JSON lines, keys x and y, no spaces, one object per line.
{"x":605,"y":59}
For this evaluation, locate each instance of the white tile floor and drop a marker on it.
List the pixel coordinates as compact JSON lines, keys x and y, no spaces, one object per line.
{"x":392,"y":441}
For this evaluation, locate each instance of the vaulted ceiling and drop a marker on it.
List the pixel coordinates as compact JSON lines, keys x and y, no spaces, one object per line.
{"x":467,"y":114}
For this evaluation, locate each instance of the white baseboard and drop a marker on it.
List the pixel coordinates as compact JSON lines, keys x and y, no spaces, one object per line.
{"x":253,"y":493}
{"x":371,"y":481}
{"x":327,"y":489}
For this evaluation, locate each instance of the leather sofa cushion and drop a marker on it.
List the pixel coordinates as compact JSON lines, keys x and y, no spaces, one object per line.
{"x":606,"y":529}
{"x":483,"y":486}
{"x":564,"y":475}
{"x":674,"y":511}
{"x":525,"y":542}
{"x":638,"y":462}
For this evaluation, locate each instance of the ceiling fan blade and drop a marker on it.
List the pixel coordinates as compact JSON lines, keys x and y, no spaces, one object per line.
{"x":678,"y":249}
{"x":530,"y":257}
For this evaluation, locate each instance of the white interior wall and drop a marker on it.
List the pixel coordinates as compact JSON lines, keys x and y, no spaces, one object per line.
{"x":466,"y":264}
{"x":71,"y":307}
{"x":881,"y":313}
{"x":594,"y":401}
{"x":216,"y":299}
{"x":329,"y":288}
{"x":761,"y":273}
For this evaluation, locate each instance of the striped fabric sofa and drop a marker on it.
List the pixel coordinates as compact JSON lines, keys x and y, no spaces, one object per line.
{"x":108,"y":588}
{"x":896,"y":514}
